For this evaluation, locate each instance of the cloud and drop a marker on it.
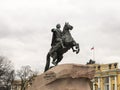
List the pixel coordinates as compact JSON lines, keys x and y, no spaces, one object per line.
{"x":25,"y":29}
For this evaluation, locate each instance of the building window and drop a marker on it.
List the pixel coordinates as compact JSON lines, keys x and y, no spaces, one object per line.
{"x":99,"y":67}
{"x":96,"y":87}
{"x":115,"y":65}
{"x":107,"y":80}
{"x":113,"y":86}
{"x":107,"y":87}
{"x":110,"y":66}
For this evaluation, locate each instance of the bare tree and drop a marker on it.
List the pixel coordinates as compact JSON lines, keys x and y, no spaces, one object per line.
{"x":26,"y":75}
{"x":6,"y":73}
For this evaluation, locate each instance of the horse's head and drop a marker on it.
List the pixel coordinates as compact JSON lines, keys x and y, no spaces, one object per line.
{"x":67,"y":26}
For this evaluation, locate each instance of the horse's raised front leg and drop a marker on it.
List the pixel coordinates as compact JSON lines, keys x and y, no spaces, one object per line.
{"x":73,"y":49}
{"x":78,"y":48}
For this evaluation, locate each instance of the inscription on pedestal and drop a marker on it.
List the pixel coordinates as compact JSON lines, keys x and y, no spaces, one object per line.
{"x":49,"y":76}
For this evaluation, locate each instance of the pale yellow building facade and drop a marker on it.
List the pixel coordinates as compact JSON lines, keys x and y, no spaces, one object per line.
{"x":107,"y":77}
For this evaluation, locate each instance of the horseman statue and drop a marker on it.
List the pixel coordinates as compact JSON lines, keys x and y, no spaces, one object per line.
{"x":62,"y":41}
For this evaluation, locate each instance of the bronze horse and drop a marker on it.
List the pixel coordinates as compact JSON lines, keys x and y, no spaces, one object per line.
{"x":57,"y":51}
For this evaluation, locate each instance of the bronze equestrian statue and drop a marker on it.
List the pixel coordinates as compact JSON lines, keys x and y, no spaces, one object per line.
{"x":62,"y":41}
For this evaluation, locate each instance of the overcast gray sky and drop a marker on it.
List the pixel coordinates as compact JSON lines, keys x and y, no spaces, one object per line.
{"x":25,"y":29}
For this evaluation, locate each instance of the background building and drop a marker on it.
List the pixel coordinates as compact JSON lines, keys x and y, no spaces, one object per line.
{"x":107,"y":77}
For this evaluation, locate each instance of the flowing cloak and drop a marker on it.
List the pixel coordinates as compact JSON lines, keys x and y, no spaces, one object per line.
{"x":56,"y":34}
{"x":53,"y":39}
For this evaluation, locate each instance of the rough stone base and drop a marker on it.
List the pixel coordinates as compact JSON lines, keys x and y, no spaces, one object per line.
{"x":65,"y":77}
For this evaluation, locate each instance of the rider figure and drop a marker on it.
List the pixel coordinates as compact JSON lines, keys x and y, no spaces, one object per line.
{"x":56,"y":41}
{"x":57,"y":37}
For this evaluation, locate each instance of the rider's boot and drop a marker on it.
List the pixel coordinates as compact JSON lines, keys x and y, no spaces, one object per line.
{"x":54,"y":63}
{"x":62,"y":45}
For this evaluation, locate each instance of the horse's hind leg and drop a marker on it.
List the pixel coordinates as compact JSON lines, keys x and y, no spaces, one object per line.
{"x":54,"y":56}
{"x":47,"y":62}
{"x":59,"y":59}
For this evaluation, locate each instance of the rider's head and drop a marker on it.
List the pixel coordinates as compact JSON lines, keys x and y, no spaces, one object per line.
{"x":58,"y":26}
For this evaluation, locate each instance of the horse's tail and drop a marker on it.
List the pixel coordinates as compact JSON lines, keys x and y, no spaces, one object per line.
{"x":47,"y":62}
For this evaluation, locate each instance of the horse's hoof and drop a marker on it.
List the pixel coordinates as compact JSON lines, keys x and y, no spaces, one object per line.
{"x":76,"y":52}
{"x":51,"y":67}
{"x":53,"y":62}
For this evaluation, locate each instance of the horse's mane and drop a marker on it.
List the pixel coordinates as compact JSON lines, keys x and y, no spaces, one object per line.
{"x":64,"y":28}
